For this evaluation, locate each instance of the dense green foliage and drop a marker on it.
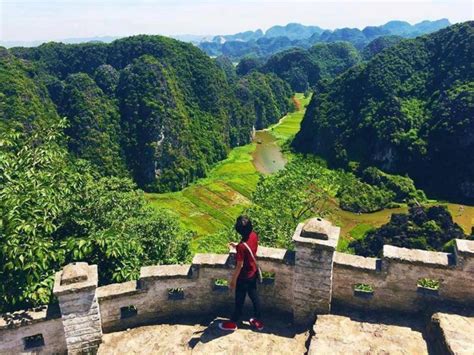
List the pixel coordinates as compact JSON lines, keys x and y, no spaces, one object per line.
{"x":374,"y":190}
{"x":302,"y":69}
{"x":265,"y":97}
{"x":55,"y":209}
{"x":150,"y":107}
{"x":308,"y":188}
{"x":94,"y":124}
{"x":408,"y":110}
{"x":23,"y":99}
{"x":284,"y":199}
{"x":294,"y":66}
{"x":428,"y":228}
{"x":378,"y":45}
{"x":246,"y":65}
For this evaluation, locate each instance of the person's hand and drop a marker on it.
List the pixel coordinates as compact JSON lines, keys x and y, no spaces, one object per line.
{"x":232,"y":245}
{"x":232,"y":284}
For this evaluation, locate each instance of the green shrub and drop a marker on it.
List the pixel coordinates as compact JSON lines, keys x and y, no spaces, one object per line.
{"x":429,"y":283}
{"x":363,"y":288}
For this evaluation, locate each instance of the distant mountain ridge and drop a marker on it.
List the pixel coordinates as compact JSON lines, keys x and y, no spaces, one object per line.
{"x":277,"y":38}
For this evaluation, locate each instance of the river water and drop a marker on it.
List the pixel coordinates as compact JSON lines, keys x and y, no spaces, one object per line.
{"x":267,"y":157}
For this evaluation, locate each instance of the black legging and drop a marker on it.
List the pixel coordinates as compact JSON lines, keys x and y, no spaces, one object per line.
{"x":243,"y":288}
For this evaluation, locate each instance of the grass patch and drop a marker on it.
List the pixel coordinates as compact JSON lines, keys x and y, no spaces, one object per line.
{"x":356,"y":233}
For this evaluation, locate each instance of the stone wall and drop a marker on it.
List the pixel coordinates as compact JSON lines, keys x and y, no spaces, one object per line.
{"x":307,"y":281}
{"x":394,"y":278}
{"x":18,"y":328}
{"x":148,"y":300}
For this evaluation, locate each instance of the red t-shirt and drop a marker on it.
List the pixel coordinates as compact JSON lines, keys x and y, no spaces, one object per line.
{"x":249,"y":269}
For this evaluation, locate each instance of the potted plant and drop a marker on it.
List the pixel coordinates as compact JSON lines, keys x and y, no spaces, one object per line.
{"x":428,"y":287}
{"x":175,"y":294}
{"x":363,"y":290}
{"x":221,"y":285}
{"x":268,"y":278}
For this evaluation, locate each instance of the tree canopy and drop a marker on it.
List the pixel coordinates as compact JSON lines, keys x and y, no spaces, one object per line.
{"x":407,"y":110}
{"x":55,"y":209}
{"x":149,"y":107}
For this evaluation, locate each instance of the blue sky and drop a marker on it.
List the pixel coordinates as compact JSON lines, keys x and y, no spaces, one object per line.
{"x":27,"y":20}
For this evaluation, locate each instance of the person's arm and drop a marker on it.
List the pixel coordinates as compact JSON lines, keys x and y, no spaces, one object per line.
{"x":238,"y":267}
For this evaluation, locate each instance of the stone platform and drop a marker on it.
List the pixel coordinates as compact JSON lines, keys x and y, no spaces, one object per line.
{"x":355,"y":334}
{"x":455,"y":333}
{"x":204,"y":337}
{"x":348,"y":333}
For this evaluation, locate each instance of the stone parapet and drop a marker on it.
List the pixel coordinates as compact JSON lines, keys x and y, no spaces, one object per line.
{"x":302,"y":283}
{"x":75,"y":287}
{"x":398,"y":277}
{"x":356,"y":262}
{"x":315,"y":243}
{"x":416,"y":257}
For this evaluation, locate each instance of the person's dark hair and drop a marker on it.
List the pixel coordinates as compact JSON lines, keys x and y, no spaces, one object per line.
{"x":243,"y":226}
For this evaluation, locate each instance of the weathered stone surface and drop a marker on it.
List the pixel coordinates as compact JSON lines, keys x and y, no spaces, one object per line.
{"x":355,"y":262}
{"x":118,"y":290}
{"x":395,"y":286}
{"x":330,"y":243}
{"x":200,"y":337}
{"x":80,"y":283}
{"x":165,"y":271}
{"x":75,"y":272}
{"x":464,"y":246}
{"x":336,"y":334}
{"x":23,"y":318}
{"x":211,"y":260}
{"x":415,"y":256}
{"x":312,"y":281}
{"x":12,"y":340}
{"x":79,"y":307}
{"x":317,"y":228}
{"x":275,"y":255}
{"x":307,"y":281}
{"x":456,"y":333}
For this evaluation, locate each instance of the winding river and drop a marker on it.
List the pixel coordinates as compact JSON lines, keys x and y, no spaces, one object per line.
{"x":267,"y":157}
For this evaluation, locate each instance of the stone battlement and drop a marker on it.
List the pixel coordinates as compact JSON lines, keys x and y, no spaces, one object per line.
{"x":303,"y":283}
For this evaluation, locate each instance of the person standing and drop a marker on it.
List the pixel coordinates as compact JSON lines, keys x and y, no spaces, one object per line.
{"x":244,"y":278}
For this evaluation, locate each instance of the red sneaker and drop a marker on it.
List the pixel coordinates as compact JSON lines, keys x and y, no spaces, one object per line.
{"x":229,"y":326}
{"x":256,"y":323}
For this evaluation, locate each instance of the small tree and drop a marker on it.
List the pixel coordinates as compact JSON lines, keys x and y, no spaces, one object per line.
{"x":282,"y":200}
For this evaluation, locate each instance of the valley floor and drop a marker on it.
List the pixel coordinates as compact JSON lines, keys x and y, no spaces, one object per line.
{"x":213,"y":203}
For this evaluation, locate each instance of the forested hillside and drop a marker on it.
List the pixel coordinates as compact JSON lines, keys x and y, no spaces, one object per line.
{"x":149,"y":107}
{"x":410,"y":109}
{"x":302,"y":69}
{"x":77,"y":122}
